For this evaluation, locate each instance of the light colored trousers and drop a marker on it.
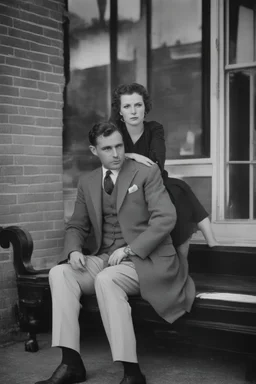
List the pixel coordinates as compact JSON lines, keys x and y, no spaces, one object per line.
{"x":112,"y":285}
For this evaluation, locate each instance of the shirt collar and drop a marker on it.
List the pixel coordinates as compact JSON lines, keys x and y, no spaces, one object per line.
{"x":114,"y":174}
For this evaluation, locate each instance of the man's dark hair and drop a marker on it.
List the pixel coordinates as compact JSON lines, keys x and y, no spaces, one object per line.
{"x":105,"y":129}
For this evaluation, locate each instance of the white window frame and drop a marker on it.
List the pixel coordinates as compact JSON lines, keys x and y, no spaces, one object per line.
{"x":227,"y":232}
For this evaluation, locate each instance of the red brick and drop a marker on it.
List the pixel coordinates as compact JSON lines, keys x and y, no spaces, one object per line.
{"x":26,"y":83}
{"x":53,"y":234}
{"x":13,"y":188}
{"x":45,"y":244}
{"x":48,"y":140}
{"x":8,"y":109}
{"x":14,"y":42}
{"x":31,"y":93}
{"x":55,"y":97}
{"x":4,"y":119}
{"x":11,"y":149}
{"x":30,"y":160}
{"x":42,"y":67}
{"x":5,"y":50}
{"x":6,"y":20}
{"x":38,"y":226}
{"x":55,"y":60}
{"x":6,"y":80}
{"x":33,"y":18}
{"x":18,"y":119}
{"x":30,"y":74}
{"x":34,"y":9}
{"x":31,"y":111}
{"x":5,"y":139}
{"x":52,"y":151}
{"x":8,"y":199}
{"x":23,"y":139}
{"x":8,"y":128}
{"x":8,"y":219}
{"x":11,"y":91}
{"x":47,"y":122}
{"x":2,"y":59}
{"x":54,"y":113}
{"x":33,"y":150}
{"x":11,"y":170}
{"x":32,"y":28}
{"x":6,"y":10}
{"x":6,"y":160}
{"x":32,"y":170}
{"x":13,"y":61}
{"x":31,"y":55}
{"x":53,"y":215}
{"x":48,"y":87}
{"x":41,"y":131}
{"x":35,"y":216}
{"x":53,"y":34}
{"x":4,"y":209}
{"x":39,"y":179}
{"x":43,"y":49}
{"x":49,"y":104}
{"x":29,"y":36}
{"x":3,"y":30}
{"x":26,"y":101}
{"x":59,"y":225}
{"x":57,"y":79}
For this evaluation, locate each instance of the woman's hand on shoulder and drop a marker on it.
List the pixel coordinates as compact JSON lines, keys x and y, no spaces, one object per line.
{"x":140,"y":159}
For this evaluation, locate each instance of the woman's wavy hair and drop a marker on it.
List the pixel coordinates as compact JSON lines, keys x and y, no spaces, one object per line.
{"x":128,"y":89}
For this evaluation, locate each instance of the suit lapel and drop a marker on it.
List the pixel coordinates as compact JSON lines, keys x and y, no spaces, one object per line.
{"x":95,"y":189}
{"x":124,"y":180}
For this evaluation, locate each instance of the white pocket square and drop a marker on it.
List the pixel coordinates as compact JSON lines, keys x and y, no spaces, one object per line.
{"x":132,"y":189}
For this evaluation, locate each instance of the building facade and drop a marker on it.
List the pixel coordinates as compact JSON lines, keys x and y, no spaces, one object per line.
{"x":198,"y":60}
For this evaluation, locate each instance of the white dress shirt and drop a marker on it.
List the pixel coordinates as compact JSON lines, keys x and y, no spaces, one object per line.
{"x":113,"y":175}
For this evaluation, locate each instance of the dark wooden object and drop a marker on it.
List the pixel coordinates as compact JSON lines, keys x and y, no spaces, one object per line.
{"x":220,"y":324}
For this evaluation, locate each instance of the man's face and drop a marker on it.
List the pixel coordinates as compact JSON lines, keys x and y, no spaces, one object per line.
{"x":110,"y":150}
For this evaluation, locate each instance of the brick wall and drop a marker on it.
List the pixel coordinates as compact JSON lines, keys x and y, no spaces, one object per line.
{"x":31,"y":102}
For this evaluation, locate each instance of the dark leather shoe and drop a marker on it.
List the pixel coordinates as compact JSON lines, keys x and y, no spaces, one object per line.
{"x":134,"y":380}
{"x":66,"y":374}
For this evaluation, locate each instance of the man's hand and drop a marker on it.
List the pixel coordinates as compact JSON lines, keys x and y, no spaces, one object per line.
{"x":117,"y":256}
{"x":77,"y":260}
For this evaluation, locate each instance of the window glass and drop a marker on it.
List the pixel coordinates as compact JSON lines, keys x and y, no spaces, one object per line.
{"x":241,"y":31}
{"x":238,"y":197}
{"x":239,"y":115}
{"x":176,"y":75}
{"x":88,"y":91}
{"x":132,"y":42}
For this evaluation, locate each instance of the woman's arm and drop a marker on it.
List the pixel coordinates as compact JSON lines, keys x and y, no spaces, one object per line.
{"x":139,"y":158}
{"x":157,"y":149}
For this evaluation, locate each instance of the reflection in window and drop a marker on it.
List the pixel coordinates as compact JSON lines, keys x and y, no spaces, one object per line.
{"x":176,"y":82}
{"x":242,"y":18}
{"x":239,"y":115}
{"x":88,"y":90}
{"x":132,"y":42}
{"x":239,"y":192}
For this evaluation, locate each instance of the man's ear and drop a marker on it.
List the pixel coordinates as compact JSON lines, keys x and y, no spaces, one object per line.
{"x":93,"y":150}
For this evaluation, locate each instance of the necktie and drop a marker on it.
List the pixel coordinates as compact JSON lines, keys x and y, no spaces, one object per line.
{"x":108,"y":182}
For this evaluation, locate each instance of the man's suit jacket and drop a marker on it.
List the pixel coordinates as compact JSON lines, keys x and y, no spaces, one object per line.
{"x":146,"y":217}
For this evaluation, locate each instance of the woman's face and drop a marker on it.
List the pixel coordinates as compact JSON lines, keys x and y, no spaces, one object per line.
{"x":132,"y":109}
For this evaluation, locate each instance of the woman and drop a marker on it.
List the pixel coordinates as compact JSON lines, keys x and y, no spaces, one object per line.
{"x":145,"y":143}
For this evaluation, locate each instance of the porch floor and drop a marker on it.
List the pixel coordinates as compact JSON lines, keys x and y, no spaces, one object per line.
{"x":163,"y":363}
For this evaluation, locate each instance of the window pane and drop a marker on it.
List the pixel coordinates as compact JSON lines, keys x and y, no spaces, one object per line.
{"x":239,"y":115}
{"x":254,"y":118}
{"x":254,"y":192}
{"x":238,"y":199}
{"x":241,"y":31}
{"x":176,"y":77}
{"x":202,"y":188}
{"x":132,"y":44}
{"x":88,"y":91}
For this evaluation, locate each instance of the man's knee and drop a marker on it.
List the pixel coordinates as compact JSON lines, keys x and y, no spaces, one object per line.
{"x":56,"y":272}
{"x":103,"y":278}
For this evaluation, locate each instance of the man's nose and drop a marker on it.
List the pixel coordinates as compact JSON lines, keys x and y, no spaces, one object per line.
{"x":114,"y":152}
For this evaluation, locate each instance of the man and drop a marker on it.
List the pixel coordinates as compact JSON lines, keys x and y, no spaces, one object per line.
{"x":131,"y":214}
